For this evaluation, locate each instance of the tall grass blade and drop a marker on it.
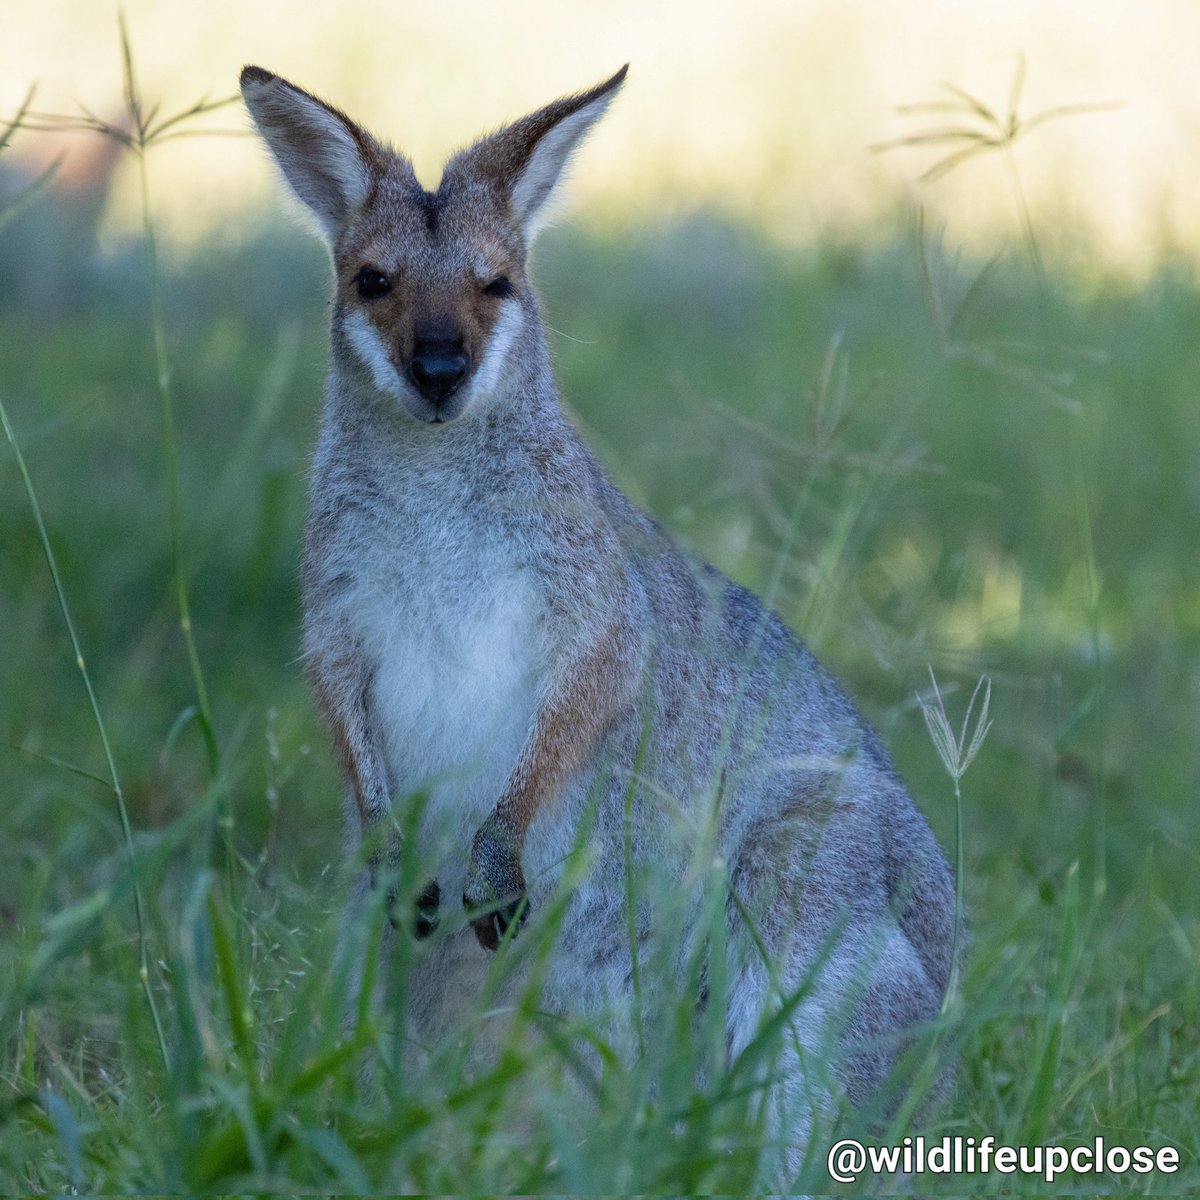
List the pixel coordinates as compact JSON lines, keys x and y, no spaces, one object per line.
{"x":1041,"y":1092}
{"x":229,"y":972}
{"x":122,"y":811}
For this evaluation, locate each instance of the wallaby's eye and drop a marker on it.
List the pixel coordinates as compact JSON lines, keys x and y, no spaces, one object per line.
{"x":501,"y":288}
{"x":372,"y":284}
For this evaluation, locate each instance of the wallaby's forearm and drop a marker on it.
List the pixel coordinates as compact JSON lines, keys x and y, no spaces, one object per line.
{"x":342,"y":687}
{"x":591,"y":690}
{"x":571,"y":721}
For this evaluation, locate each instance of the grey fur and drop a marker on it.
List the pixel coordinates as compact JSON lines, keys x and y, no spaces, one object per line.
{"x":468,"y":583}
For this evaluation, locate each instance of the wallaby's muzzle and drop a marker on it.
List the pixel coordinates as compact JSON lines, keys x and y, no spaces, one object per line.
{"x":439,"y":362}
{"x":436,"y":375}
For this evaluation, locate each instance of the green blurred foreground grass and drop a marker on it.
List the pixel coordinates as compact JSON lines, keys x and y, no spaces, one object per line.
{"x":1015,"y":495}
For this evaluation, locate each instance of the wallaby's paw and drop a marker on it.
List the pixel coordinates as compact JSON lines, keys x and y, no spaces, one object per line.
{"x":491,"y":927}
{"x":495,"y":890}
{"x":427,"y":910}
{"x":426,"y":918}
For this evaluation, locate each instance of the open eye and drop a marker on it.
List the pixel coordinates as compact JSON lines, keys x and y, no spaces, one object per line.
{"x":501,"y":288}
{"x":371,"y":283}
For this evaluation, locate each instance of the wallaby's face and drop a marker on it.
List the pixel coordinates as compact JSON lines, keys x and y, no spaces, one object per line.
{"x":428,"y":294}
{"x":431,"y":287}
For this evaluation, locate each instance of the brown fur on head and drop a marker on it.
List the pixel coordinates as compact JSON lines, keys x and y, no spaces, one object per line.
{"x":430,"y":286}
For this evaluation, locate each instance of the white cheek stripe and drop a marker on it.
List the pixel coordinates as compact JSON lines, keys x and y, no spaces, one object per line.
{"x":369,"y":347}
{"x":495,"y":357}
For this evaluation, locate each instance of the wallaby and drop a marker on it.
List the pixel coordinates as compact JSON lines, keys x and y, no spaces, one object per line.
{"x":492,"y":624}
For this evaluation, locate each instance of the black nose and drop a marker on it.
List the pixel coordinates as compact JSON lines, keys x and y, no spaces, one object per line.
{"x":437,"y":375}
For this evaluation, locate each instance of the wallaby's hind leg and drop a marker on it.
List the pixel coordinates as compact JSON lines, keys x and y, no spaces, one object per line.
{"x":884,"y":1016}
{"x":862,"y":1004}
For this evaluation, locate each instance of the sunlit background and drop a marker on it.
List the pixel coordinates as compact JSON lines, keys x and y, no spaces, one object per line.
{"x":769,"y":111}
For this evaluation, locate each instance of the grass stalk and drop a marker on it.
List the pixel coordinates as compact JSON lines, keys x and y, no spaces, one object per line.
{"x":959,"y":908}
{"x":170,"y":458}
{"x":1099,"y":751}
{"x":957,"y":752}
{"x":80,"y":662}
{"x":143,"y":135}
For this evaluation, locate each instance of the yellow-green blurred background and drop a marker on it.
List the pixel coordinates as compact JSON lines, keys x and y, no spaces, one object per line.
{"x":766,"y":110}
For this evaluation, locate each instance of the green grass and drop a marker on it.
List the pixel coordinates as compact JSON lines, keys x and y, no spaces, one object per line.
{"x":962,"y":505}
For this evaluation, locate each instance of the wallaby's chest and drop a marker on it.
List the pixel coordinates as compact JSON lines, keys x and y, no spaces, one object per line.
{"x":444,"y":605}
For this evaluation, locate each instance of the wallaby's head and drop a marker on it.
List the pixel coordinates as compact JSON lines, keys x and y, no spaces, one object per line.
{"x":432,"y":289}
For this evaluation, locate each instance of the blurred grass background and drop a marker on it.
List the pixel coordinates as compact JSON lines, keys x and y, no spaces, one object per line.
{"x":1014,"y":495}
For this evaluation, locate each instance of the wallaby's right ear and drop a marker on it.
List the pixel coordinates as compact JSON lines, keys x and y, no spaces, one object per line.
{"x":325,"y":157}
{"x":524,"y":161}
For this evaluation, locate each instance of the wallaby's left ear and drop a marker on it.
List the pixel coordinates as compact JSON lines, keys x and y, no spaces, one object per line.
{"x":525,"y":160}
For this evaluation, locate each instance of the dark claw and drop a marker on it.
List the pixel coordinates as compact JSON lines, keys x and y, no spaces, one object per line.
{"x":491,"y":927}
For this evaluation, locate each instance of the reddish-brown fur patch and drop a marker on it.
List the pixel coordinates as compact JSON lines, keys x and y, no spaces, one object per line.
{"x":438,"y":286}
{"x":567,"y":732}
{"x":342,"y":699}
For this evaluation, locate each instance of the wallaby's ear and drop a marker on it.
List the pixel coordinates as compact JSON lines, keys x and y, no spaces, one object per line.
{"x":524,"y":161}
{"x":325,"y":157}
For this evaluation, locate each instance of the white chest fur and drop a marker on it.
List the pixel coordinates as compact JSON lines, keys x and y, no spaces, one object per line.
{"x":453,"y":678}
{"x":449,"y":622}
